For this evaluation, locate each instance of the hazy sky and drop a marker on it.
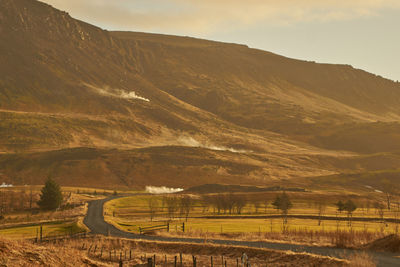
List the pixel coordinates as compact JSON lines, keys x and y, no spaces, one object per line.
{"x":363,"y":33}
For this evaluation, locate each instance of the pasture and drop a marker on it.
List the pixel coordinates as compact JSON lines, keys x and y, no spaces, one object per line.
{"x":310,"y":219}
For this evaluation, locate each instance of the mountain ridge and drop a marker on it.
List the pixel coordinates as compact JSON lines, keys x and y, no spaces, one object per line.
{"x":68,"y":84}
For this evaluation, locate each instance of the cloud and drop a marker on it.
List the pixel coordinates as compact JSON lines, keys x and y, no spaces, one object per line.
{"x":207,"y":16}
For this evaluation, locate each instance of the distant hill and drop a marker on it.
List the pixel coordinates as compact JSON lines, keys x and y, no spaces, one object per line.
{"x":67,"y":84}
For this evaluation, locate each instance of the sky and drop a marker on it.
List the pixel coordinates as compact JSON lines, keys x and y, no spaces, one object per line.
{"x":362,"y":33}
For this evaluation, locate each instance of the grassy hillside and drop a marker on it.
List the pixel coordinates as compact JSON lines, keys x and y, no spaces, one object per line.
{"x":67,"y":84}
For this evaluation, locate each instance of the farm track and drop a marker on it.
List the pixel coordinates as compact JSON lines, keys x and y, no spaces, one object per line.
{"x":94,"y":220}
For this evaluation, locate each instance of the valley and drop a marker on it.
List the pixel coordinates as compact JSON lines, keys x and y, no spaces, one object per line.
{"x":293,"y":162}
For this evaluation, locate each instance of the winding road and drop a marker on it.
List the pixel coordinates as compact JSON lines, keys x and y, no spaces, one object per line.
{"x":94,"y":220}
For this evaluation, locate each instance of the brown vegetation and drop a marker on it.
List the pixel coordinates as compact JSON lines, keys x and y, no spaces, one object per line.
{"x":389,"y":243}
{"x":361,"y":259}
{"x":83,"y":252}
{"x":258,"y":117}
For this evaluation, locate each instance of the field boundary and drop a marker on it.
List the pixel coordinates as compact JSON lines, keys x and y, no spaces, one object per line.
{"x":147,"y":229}
{"x":311,"y":217}
{"x":95,"y":221}
{"x":37,"y":223}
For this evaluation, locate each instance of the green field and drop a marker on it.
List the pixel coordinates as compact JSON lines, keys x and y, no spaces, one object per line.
{"x":130,"y":213}
{"x":49,"y":230}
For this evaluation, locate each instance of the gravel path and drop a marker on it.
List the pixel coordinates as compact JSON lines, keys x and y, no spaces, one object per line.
{"x":94,"y":220}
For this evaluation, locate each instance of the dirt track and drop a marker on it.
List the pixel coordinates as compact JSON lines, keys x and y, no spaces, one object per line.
{"x":94,"y":220}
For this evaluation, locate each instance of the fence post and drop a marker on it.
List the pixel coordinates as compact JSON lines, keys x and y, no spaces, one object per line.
{"x":175,"y":261}
{"x":222,"y":260}
{"x":121,"y":263}
{"x":165,"y":260}
{"x":41,"y":233}
{"x":183,"y":227}
{"x":130,"y":254}
{"x":149,"y":262}
{"x":154,"y":260}
{"x":194,"y":261}
{"x":180,"y":259}
{"x":237,"y":262}
{"x":167,"y":226}
{"x":212,"y":261}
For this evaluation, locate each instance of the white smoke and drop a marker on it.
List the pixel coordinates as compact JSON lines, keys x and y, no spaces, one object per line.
{"x":132,"y":95}
{"x":3,"y":185}
{"x":190,"y":141}
{"x":116,"y":93}
{"x":162,"y":190}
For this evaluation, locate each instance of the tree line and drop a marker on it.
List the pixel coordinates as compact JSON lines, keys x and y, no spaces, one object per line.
{"x":50,"y":198}
{"x":180,"y":206}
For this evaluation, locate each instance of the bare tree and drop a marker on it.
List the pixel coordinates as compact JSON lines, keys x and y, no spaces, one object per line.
{"x":22,"y":199}
{"x":368,"y":205}
{"x":207,"y":203}
{"x":389,"y":189}
{"x":2,"y":203}
{"x":349,"y":207}
{"x":380,"y":208}
{"x":321,"y":206}
{"x":186,"y":206}
{"x":11,"y":204}
{"x":172,"y":206}
{"x":283,"y":203}
{"x":153,"y":206}
{"x":266,"y":206}
{"x":30,"y":197}
{"x":340,"y":206}
{"x":219,"y":203}
{"x":240,"y":202}
{"x":257,"y":205}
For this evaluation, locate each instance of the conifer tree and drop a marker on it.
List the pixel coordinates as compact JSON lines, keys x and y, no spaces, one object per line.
{"x":51,"y":196}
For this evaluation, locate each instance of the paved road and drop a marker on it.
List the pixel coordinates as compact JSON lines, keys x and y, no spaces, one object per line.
{"x":95,"y":221}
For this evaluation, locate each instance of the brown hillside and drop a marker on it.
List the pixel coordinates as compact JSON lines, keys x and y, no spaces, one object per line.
{"x":67,"y":84}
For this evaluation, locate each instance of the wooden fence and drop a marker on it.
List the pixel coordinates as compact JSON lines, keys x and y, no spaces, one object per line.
{"x":57,"y":236}
{"x":149,"y":229}
{"x":126,"y":256}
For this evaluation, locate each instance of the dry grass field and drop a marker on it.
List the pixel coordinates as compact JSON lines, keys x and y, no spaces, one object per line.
{"x":319,"y":222}
{"x":22,"y":218}
{"x":109,"y":251}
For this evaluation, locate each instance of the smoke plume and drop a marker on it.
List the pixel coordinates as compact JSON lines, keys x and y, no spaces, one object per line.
{"x":190,"y":141}
{"x":116,"y":93}
{"x":162,"y":190}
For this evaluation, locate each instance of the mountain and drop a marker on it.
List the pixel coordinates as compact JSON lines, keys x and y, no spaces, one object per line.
{"x":170,"y":110}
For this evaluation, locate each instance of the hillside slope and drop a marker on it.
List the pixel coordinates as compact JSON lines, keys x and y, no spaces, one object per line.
{"x":68,"y":84}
